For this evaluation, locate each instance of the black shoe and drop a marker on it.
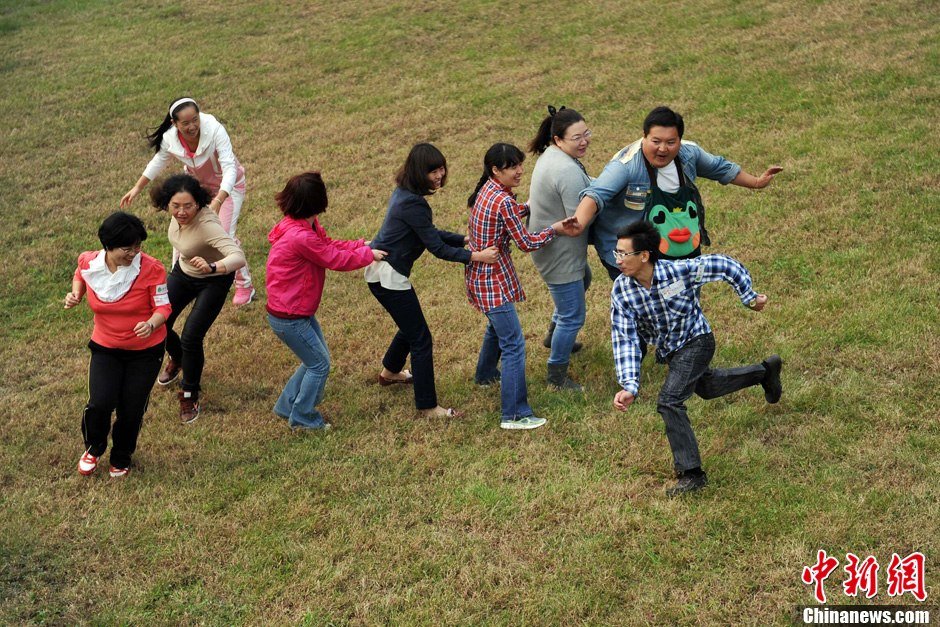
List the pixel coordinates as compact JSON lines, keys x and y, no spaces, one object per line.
{"x":773,"y":388}
{"x":488,"y":382}
{"x":688,"y":483}
{"x":558,"y":379}
{"x":547,"y":340}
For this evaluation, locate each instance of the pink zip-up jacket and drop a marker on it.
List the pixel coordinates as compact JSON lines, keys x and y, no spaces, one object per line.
{"x":296,"y":269}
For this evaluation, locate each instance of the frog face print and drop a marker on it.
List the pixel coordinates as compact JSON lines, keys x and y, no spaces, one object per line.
{"x":678,"y":227}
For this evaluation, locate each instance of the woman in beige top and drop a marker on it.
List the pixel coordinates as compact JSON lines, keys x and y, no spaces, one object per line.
{"x":208,"y":259}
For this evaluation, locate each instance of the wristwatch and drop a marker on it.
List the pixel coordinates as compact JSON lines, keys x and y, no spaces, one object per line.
{"x":212,"y":267}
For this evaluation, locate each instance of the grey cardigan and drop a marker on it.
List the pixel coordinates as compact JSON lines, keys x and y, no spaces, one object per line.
{"x":557,"y":182}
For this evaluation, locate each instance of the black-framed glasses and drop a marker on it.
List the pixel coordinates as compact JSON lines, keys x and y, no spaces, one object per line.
{"x":619,"y":255}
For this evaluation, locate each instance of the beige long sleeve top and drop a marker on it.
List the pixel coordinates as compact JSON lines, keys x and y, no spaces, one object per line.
{"x":204,"y":237}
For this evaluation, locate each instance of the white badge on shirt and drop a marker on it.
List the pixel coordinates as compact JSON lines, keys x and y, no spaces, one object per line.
{"x":673,"y":290}
{"x":161,"y":297}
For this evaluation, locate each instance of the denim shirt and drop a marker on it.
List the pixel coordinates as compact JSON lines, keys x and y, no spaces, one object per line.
{"x":627,"y":167}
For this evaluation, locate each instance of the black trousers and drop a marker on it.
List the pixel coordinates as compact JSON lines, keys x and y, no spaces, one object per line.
{"x":413,"y":337}
{"x":209,"y":294}
{"x":690,"y":372}
{"x":119,"y":381}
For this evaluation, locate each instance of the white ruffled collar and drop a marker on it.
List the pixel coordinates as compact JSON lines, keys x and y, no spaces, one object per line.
{"x":110,"y":286}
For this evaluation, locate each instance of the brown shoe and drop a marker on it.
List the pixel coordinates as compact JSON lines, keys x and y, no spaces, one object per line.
{"x":407,"y":380}
{"x":189,"y":406}
{"x":171,"y":372}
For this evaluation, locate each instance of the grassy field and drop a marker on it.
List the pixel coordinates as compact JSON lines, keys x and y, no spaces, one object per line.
{"x":392,"y":519}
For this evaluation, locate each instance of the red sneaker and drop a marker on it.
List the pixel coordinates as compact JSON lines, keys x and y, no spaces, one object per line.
{"x":87,"y":464}
{"x":117,"y":473}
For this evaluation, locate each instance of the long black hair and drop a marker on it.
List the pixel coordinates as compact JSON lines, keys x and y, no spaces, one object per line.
{"x":499,"y":156}
{"x":555,"y":124}
{"x":156,"y":137}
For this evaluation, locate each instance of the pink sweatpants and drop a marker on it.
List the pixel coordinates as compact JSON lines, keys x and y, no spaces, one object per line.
{"x":228,"y":214}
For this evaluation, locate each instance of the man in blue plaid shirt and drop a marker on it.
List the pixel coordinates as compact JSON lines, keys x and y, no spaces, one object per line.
{"x":657,"y":300}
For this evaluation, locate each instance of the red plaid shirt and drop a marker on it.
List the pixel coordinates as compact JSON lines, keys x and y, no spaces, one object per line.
{"x":496,"y":220}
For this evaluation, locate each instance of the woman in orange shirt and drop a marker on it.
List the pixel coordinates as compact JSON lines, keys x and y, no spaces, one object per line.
{"x":127,"y":291}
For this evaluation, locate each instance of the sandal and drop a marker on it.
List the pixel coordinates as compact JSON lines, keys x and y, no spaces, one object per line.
{"x":450,"y":412}
{"x":383,"y":381}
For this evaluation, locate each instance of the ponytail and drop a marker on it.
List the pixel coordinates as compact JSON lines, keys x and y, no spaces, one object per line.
{"x":473,"y":197}
{"x":155,"y":139}
{"x":543,"y":137}
{"x":499,"y":156}
{"x":554,"y":125}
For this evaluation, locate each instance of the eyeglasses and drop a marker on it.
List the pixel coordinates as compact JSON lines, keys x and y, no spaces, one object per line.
{"x":190,"y":206}
{"x":578,"y":138}
{"x":130,"y":249}
{"x":619,"y":255}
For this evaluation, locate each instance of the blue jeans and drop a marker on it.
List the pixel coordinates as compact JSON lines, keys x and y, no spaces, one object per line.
{"x":568,"y":318}
{"x":503,"y":340}
{"x":304,"y":391}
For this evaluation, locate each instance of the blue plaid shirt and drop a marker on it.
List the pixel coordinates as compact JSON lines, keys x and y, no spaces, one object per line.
{"x":668,"y":314}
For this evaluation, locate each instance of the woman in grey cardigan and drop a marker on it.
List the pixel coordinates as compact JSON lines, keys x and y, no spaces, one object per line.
{"x":557,"y":180}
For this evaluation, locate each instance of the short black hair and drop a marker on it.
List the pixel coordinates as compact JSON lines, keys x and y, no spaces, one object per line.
{"x":161,"y":194}
{"x":643,"y":236}
{"x":303,"y":196}
{"x":422,"y":160}
{"x":121,"y":229}
{"x":663,"y":116}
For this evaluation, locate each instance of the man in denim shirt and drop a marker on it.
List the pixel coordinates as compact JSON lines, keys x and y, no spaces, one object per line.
{"x":660,"y":145}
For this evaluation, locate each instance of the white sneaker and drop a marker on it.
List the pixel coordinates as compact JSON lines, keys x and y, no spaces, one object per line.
{"x":529,"y":422}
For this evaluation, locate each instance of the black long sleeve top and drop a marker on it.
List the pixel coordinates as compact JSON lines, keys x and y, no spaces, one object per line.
{"x":408,"y":230}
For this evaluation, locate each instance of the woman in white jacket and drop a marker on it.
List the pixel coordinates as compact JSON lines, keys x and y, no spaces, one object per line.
{"x":202,"y":145}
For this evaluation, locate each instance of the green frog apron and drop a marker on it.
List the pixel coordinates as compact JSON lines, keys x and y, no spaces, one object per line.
{"x":679,"y":217}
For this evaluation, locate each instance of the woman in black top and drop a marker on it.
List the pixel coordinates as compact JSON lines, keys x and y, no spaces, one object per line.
{"x":407,"y":231}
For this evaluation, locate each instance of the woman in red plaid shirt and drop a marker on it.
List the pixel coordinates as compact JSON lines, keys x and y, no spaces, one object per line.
{"x":496,"y":220}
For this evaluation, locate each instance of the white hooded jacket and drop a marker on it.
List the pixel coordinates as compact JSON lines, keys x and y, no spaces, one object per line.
{"x":214,"y":163}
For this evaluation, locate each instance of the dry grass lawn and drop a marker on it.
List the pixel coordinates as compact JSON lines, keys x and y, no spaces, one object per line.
{"x":391,"y":519}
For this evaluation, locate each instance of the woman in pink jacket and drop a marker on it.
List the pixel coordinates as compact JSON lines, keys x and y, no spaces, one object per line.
{"x":202,"y":145}
{"x":300,"y":254}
